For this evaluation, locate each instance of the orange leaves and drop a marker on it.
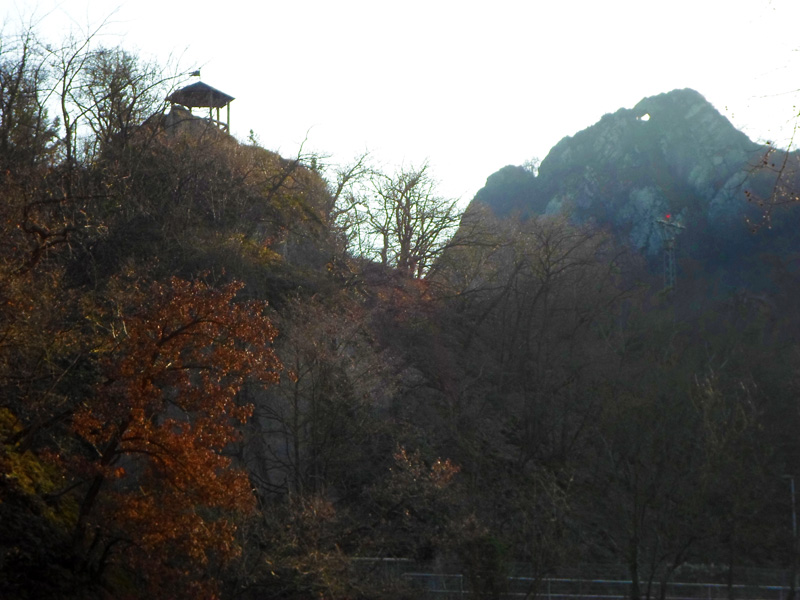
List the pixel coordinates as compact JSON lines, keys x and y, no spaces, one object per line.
{"x":188,"y":346}
{"x":440,"y":473}
{"x":162,"y":415}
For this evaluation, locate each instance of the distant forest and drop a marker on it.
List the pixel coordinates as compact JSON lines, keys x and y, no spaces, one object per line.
{"x":230,"y":374}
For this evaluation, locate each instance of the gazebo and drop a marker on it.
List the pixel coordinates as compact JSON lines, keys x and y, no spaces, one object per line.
{"x":202,"y":95}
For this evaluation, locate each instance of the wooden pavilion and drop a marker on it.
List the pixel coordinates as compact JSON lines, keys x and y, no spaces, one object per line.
{"x":202,"y":95}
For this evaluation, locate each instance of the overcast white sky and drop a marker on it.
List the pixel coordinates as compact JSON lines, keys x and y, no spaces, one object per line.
{"x":468,"y":86}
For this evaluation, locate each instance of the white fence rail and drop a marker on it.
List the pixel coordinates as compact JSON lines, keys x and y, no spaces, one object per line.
{"x":588,"y":582}
{"x":457,"y":585}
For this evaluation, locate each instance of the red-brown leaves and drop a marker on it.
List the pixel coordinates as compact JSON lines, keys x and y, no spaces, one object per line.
{"x":161,"y":418}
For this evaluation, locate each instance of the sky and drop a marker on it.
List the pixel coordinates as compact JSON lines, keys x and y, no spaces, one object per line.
{"x":466,"y":86}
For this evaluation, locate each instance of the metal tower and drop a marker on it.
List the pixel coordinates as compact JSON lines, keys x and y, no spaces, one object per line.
{"x":669,"y":231}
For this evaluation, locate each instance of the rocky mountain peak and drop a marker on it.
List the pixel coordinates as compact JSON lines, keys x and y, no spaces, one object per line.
{"x":671,"y":153}
{"x":679,"y":131}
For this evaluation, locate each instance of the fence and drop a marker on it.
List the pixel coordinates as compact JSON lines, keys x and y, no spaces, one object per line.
{"x":446,"y":582}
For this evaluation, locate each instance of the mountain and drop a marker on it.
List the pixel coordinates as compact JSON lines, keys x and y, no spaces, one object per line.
{"x":672,"y":154}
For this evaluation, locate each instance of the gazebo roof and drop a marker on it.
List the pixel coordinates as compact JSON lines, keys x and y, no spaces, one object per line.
{"x":200,"y":95}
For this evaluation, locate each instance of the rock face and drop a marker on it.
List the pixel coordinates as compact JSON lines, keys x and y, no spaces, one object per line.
{"x":670,"y":154}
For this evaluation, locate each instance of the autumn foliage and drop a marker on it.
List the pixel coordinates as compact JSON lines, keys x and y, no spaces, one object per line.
{"x":160,"y":492}
{"x":516,"y":399}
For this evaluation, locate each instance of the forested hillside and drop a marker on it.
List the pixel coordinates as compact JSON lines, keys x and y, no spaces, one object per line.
{"x":230,"y":374}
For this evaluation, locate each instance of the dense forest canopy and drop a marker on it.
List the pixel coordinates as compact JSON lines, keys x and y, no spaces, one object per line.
{"x":227,"y":373}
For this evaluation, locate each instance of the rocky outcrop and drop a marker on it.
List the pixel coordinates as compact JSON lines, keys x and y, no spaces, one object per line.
{"x":670,"y":154}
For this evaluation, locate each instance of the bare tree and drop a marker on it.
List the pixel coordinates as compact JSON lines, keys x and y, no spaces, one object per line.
{"x":407,"y":223}
{"x":27,"y":134}
{"x":314,"y":428}
{"x":774,"y":182}
{"x":117,"y":92}
{"x":344,"y":213}
{"x":103,"y":93}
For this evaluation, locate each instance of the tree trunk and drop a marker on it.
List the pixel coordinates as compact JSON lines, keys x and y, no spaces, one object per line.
{"x":633,"y":567}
